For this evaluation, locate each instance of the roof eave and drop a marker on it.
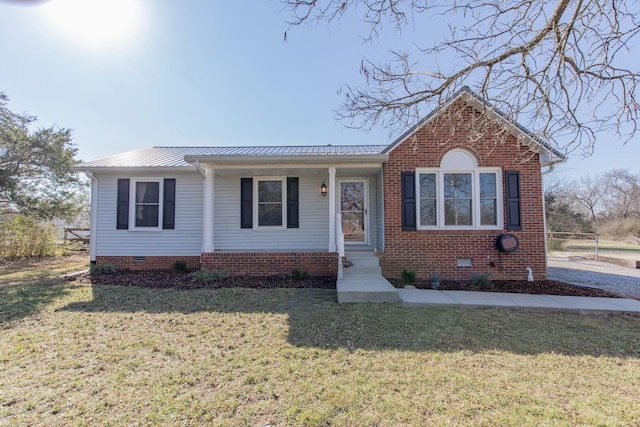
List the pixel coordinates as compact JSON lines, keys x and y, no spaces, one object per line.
{"x":320,"y":159}
{"x":132,"y":169}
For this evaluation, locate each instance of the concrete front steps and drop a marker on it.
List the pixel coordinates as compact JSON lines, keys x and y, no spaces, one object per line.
{"x":363,"y":281}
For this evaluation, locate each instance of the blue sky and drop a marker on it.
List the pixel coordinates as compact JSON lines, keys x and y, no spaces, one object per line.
{"x":201,"y":72}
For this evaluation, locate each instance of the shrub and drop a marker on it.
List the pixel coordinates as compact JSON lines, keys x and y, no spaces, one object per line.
{"x":98,"y":269}
{"x":435,"y":281}
{"x":408,"y":276}
{"x":621,"y":228}
{"x":481,"y":281}
{"x":207,"y":276}
{"x":25,"y":237}
{"x":298,"y":274}
{"x":180,"y":265}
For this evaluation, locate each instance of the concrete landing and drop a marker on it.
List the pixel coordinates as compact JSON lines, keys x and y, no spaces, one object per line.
{"x":363,"y":281}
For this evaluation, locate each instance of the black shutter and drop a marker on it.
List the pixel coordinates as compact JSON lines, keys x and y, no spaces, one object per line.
{"x":122,"y":221}
{"x":408,"y":201}
{"x":169,"y":204}
{"x":293,"y":220}
{"x":246,"y":202}
{"x":512,"y":180}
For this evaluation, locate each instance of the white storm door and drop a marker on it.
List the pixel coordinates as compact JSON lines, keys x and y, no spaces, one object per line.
{"x":352,"y":204}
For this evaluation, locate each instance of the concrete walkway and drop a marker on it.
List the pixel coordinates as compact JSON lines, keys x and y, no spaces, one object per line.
{"x":425,"y":297}
{"x":363,"y":282}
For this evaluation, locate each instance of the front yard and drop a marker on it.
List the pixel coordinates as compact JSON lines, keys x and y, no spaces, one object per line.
{"x":76,"y":354}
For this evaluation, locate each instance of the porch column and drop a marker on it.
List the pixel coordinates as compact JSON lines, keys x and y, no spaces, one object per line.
{"x":332,"y":210}
{"x":207,"y":229}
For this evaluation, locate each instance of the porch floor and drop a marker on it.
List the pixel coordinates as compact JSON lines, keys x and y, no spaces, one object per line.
{"x":363,"y":281}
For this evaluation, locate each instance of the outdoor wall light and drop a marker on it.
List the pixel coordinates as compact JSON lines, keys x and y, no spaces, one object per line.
{"x":323,"y":189}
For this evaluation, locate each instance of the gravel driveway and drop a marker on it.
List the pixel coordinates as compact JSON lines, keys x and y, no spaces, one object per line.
{"x":583,"y":272}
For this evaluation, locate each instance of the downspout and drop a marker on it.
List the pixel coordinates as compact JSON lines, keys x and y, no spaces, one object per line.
{"x":93,"y":218}
{"x":550,"y":168}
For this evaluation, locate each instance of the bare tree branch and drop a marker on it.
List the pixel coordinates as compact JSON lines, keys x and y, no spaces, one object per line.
{"x":562,"y":68}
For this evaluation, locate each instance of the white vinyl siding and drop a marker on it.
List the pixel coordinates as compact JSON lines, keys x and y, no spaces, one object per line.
{"x":185,"y":239}
{"x":313,"y":233}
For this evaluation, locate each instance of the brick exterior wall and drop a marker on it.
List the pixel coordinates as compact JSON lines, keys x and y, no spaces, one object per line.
{"x":272,"y":263}
{"x":430,"y":252}
{"x":148,"y":262}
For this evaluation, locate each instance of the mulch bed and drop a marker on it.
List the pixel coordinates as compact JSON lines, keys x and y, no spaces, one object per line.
{"x":538,"y":287}
{"x":178,"y":280}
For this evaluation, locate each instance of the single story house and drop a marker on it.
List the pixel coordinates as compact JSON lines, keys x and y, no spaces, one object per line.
{"x":447,"y":198}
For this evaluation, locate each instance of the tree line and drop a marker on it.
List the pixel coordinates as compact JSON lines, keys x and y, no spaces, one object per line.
{"x":608,"y":204}
{"x":37,"y":184}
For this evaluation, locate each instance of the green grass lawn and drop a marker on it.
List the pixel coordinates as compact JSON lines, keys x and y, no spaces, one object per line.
{"x":73,"y":354}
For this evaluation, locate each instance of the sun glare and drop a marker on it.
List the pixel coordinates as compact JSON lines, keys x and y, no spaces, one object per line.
{"x":95,"y":23}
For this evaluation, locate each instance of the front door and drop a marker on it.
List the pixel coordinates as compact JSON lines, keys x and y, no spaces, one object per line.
{"x":353,"y":207}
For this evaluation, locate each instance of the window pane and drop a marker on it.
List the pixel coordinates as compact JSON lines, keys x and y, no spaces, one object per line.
{"x":270,"y":191}
{"x":147,"y":215}
{"x":270,"y":214}
{"x":488,"y":212}
{"x":427,"y":185}
{"x":457,"y":186}
{"x":488,"y":198}
{"x":457,"y":212}
{"x":352,"y":196}
{"x":147,"y":192}
{"x":457,"y":199}
{"x":487,"y":185}
{"x":428,"y":212}
{"x":353,"y":226}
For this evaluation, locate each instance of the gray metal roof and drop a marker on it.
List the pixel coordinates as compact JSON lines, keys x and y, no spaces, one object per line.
{"x":162,"y":157}
{"x":174,"y":156}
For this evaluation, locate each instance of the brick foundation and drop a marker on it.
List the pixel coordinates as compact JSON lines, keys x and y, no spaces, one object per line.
{"x":272,"y":263}
{"x":148,"y":262}
{"x":238,"y":263}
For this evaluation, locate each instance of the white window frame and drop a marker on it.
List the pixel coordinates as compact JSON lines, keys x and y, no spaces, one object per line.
{"x":475,"y":199}
{"x":132,"y":203}
{"x":256,"y":222}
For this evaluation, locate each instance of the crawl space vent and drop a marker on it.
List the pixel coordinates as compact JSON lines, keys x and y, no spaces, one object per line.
{"x":138,"y":259}
{"x":464,"y":262}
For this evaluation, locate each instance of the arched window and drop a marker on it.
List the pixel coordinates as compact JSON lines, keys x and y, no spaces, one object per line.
{"x":459,"y":194}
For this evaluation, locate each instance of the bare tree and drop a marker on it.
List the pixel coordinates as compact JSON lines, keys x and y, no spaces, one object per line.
{"x":621,"y":198}
{"x":562,"y":68}
{"x":586,"y":196}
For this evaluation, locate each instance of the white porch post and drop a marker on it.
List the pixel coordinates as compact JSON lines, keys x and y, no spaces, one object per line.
{"x":207,"y":229}
{"x":332,"y":209}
